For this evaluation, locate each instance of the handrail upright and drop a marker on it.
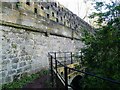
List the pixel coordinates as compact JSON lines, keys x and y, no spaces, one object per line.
{"x":66,"y":79}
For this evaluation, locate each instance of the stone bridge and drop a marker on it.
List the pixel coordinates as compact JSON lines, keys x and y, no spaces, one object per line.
{"x":62,"y":65}
{"x":71,"y":74}
{"x":67,"y":67}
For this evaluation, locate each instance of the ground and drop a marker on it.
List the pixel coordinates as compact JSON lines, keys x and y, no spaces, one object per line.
{"x":41,"y":82}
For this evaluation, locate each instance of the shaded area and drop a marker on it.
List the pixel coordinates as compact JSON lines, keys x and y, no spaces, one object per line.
{"x":41,"y":82}
{"x":76,"y":83}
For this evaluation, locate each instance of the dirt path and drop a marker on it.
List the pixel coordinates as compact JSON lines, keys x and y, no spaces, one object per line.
{"x":38,"y":83}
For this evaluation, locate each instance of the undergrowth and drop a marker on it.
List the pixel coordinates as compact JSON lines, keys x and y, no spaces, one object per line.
{"x":25,"y":79}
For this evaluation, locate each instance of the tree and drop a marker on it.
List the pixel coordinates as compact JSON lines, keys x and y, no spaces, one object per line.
{"x":102,"y":51}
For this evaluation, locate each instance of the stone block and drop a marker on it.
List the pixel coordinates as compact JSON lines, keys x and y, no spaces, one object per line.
{"x":27,"y":68}
{"x":14,"y":66}
{"x":2,"y":74}
{"x":16,"y":77}
{"x":4,"y":67}
{"x":28,"y":57}
{"x":2,"y":81}
{"x":23,"y":53}
{"x":23,"y":58}
{"x":29,"y":62}
{"x":6,"y":28}
{"x":19,"y":70}
{"x":30,"y":42}
{"x":11,"y":56}
{"x":11,"y":72}
{"x":22,"y":64}
{"x":8,"y":79}
{"x":1,"y":28}
{"x":5,"y":62}
{"x":5,"y":46}
{"x":3,"y":57}
{"x":15,"y":60}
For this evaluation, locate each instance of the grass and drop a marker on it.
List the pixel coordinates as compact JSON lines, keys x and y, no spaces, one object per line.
{"x":25,"y":79}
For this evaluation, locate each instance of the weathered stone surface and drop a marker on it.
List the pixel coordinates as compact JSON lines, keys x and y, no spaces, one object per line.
{"x":2,"y":74}
{"x":3,"y":67}
{"x":5,"y":62}
{"x":14,"y":45}
{"x":28,"y":57}
{"x":11,"y":56}
{"x":14,"y":66}
{"x":19,"y":70}
{"x":22,"y":64}
{"x":23,"y":53}
{"x":8,"y":79}
{"x":28,"y":67}
{"x":16,"y":77}
{"x":22,"y":58}
{"x":11,"y":72}
{"x":3,"y":57}
{"x":2,"y":80}
{"x":15,"y":60}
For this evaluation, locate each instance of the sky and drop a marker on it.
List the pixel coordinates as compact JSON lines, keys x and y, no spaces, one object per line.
{"x":76,"y":6}
{"x":80,"y":7}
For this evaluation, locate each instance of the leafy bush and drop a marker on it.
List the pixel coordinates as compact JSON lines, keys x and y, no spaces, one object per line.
{"x":102,"y":51}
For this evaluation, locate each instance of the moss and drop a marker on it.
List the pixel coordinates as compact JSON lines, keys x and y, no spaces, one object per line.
{"x":77,"y":66}
{"x":14,"y":45}
{"x":49,"y":28}
{"x":25,"y":79}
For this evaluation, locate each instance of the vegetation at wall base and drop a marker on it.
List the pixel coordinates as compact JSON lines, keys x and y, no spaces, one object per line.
{"x":101,"y":55}
{"x":24,"y":80}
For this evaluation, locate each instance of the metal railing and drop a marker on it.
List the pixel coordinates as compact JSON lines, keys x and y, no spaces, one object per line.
{"x":55,"y":62}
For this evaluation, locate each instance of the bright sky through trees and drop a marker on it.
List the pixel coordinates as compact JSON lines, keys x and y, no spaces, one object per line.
{"x":82,"y":8}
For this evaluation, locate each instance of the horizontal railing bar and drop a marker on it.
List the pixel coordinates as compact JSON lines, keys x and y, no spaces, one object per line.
{"x":63,"y":52}
{"x":87,"y":73}
{"x":65,"y":57}
{"x":61,"y":63}
{"x":69,"y":57}
{"x":59,"y":52}
{"x":91,"y":74}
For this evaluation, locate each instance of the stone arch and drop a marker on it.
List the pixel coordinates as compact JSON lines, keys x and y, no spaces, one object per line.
{"x":75,"y":82}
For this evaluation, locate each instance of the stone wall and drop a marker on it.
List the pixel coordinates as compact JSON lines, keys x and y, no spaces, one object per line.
{"x":50,"y":10}
{"x":26,"y":39}
{"x":26,"y":51}
{"x":30,"y":19}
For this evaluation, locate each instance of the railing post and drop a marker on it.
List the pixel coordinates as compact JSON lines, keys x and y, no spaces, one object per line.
{"x":55,"y":55}
{"x":66,"y":79}
{"x":81,"y":55}
{"x":64,"y":58}
{"x":71,"y":58}
{"x":56,"y":70}
{"x":55,"y":63}
{"x":51,"y":66}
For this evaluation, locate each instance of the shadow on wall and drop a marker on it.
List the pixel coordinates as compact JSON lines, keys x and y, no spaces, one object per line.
{"x":76,"y":83}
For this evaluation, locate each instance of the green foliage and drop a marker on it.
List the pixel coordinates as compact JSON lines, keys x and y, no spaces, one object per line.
{"x":14,"y":45}
{"x":102,"y":51}
{"x":25,"y":79}
{"x":106,"y":12}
